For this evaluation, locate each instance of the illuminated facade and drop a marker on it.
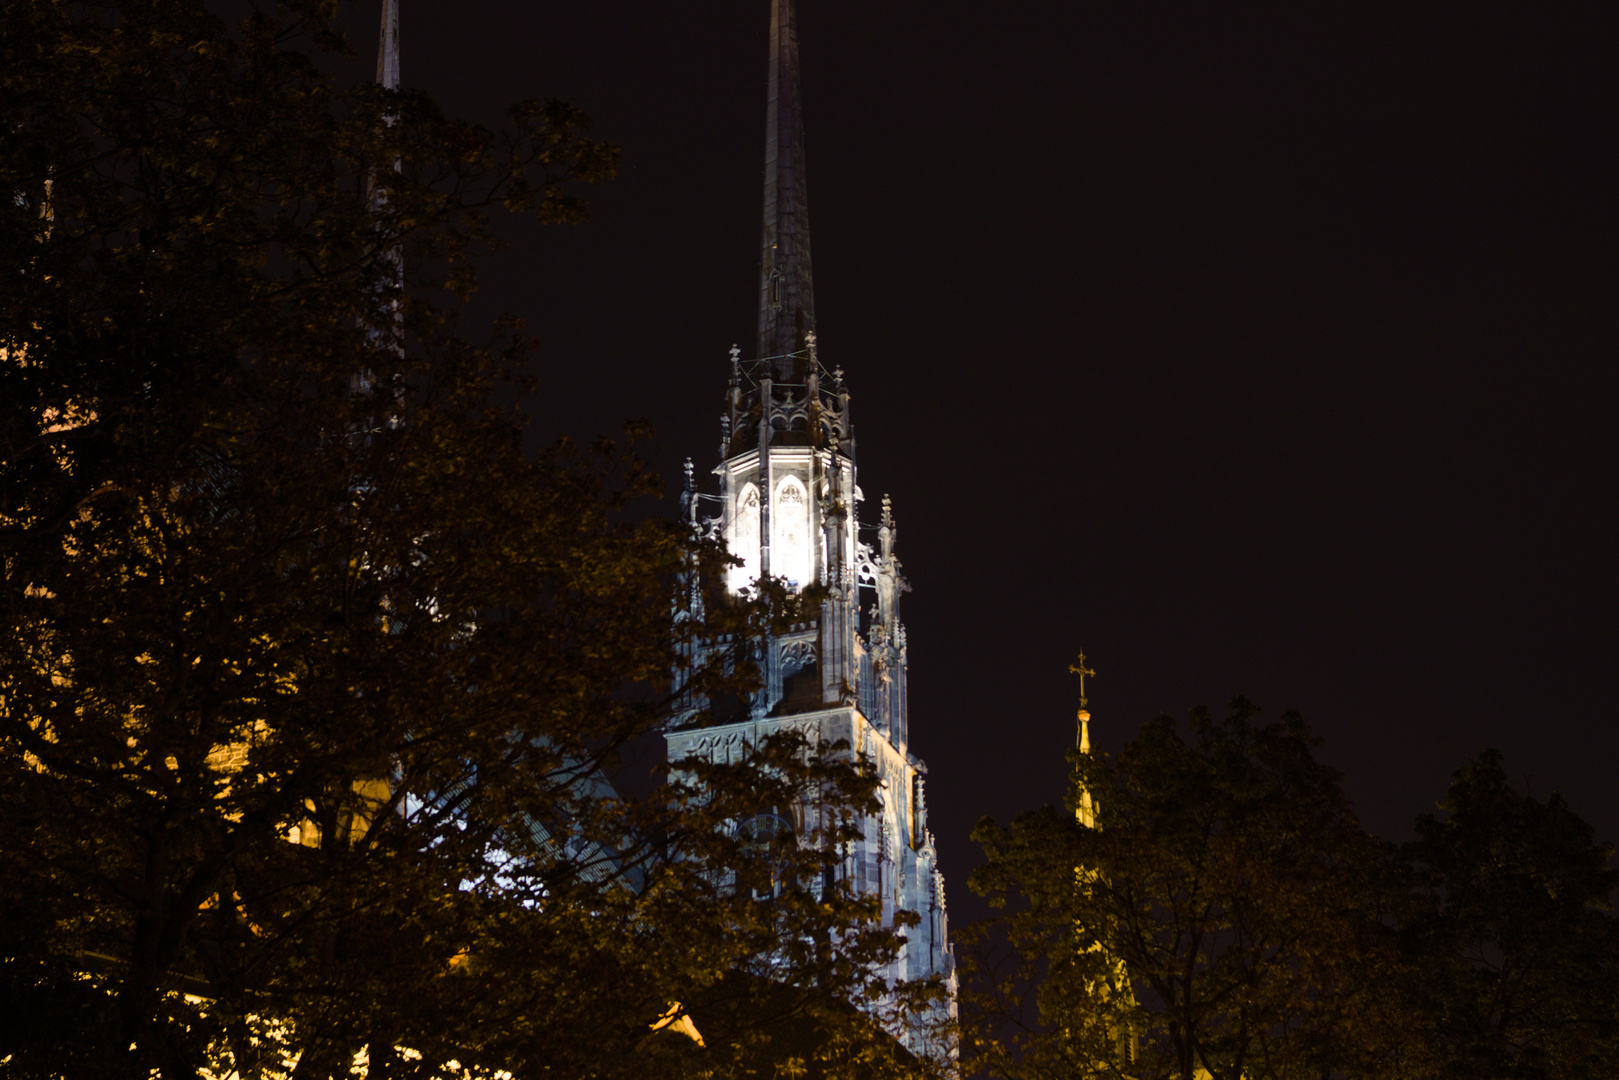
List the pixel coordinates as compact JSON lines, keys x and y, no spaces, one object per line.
{"x":787,"y":506}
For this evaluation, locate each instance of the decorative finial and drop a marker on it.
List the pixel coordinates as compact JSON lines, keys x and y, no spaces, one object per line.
{"x":809,"y":342}
{"x":1081,"y":670}
{"x":736,"y":356}
{"x":886,"y":536}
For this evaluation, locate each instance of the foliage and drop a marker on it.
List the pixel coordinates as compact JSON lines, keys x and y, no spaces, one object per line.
{"x":1213,"y":924}
{"x":1512,"y":948}
{"x":1228,"y":918}
{"x":314,"y":675}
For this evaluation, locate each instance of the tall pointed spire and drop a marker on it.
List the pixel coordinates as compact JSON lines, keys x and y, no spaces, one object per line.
{"x":786,"y":290}
{"x":391,"y":333}
{"x":388,"y":46}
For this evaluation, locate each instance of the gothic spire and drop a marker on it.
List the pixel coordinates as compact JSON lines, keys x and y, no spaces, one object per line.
{"x":786,"y":292}
{"x":391,"y":333}
{"x":388,"y":46}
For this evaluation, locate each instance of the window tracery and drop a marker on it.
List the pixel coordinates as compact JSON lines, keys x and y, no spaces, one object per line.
{"x":790,"y":523}
{"x":744,"y":538}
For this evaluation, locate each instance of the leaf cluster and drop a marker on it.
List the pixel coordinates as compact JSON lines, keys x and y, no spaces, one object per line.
{"x":1228,"y":917}
{"x":1511,"y":948}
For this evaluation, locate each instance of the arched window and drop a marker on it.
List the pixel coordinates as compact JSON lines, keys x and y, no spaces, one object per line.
{"x":790,"y":548}
{"x":767,"y":847}
{"x":743,"y":540}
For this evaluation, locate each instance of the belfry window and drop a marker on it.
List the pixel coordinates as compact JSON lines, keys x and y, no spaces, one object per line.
{"x":790,"y":546}
{"x":743,"y":540}
{"x":767,"y":845}
{"x":773,"y":290}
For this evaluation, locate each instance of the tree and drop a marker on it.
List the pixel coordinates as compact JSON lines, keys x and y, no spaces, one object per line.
{"x":314,"y":675}
{"x":1220,"y":921}
{"x":1511,"y":948}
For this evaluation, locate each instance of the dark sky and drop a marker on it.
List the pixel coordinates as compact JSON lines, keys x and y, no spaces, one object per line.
{"x":1262,"y":350}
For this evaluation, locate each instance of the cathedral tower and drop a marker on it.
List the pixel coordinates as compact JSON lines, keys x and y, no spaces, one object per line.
{"x":788,"y":507}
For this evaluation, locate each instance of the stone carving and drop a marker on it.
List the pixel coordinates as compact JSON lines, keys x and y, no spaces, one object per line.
{"x":865,"y":564}
{"x":796,"y":656}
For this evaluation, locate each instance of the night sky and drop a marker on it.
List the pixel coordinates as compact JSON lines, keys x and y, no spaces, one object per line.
{"x":1263,"y":350}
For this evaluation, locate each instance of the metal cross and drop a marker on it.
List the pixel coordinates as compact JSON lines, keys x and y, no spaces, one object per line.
{"x":1081,"y":670}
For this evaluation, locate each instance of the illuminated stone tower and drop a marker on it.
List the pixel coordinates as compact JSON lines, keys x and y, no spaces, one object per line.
{"x":788,"y":506}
